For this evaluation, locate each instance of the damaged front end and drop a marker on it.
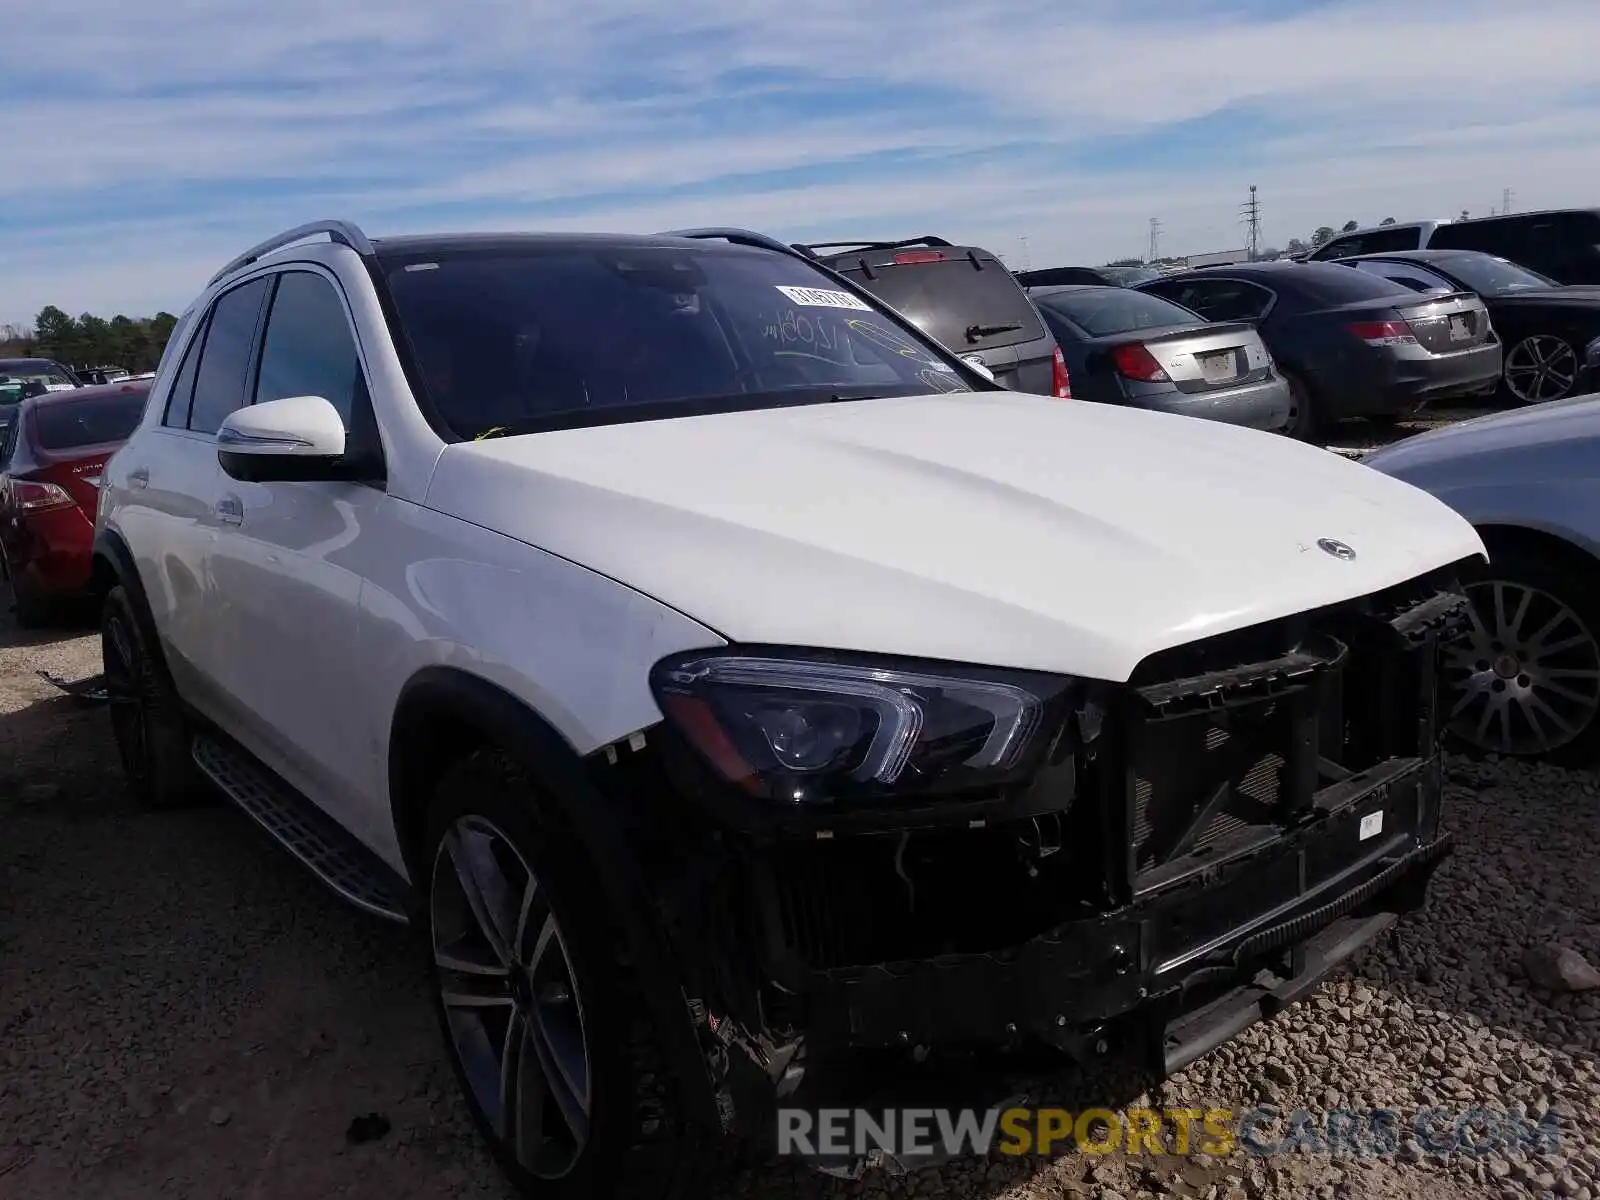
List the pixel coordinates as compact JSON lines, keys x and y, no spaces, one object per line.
{"x":1031,"y":868}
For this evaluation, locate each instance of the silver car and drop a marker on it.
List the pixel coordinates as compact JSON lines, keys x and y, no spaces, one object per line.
{"x":1527,"y":681}
{"x":1132,"y":348}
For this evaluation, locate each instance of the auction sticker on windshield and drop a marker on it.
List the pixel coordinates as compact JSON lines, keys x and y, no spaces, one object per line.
{"x":823,"y":298}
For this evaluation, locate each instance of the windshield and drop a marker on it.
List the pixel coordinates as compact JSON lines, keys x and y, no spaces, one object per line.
{"x":521,"y":339}
{"x":1102,"y":311}
{"x":1491,"y":276}
{"x":18,"y":381}
{"x":91,"y":421}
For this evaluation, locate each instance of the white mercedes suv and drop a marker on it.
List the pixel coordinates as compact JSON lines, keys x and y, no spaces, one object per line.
{"x":742,"y":697}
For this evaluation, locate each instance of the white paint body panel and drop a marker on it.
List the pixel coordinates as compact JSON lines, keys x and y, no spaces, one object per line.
{"x":996,"y":528}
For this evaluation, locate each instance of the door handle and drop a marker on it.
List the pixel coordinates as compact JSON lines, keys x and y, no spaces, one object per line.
{"x":230,"y":510}
{"x":139,"y":477}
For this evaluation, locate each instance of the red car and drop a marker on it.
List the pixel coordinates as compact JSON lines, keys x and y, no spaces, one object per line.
{"x":51,"y":456}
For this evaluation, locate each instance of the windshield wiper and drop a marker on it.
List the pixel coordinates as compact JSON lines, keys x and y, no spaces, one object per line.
{"x":979,"y":332}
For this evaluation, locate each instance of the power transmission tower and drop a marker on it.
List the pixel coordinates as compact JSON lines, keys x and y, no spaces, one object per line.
{"x":1505,"y":201}
{"x":1155,"y":238}
{"x":1252,"y":221}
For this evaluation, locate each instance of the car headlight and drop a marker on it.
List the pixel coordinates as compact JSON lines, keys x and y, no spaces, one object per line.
{"x":822,"y":728}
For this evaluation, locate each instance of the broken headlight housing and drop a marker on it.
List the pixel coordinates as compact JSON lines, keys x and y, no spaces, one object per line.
{"x":816,"y":728}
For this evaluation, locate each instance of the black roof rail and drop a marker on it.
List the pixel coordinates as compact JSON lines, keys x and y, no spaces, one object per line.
{"x":740,"y":237}
{"x":346,"y":233}
{"x":926,"y":239}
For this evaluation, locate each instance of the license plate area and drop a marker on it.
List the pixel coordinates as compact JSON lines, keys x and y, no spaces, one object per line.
{"x":1218,"y":366}
{"x":1460,"y":328}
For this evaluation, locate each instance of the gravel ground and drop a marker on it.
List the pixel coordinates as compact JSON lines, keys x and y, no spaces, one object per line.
{"x":184,"y":1013}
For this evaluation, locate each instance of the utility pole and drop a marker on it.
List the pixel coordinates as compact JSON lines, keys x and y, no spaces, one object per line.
{"x":1252,"y":221}
{"x":1155,"y":239}
{"x":1505,"y":201}
{"x":1027,"y":259}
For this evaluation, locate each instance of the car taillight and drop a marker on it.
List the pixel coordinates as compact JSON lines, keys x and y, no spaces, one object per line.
{"x":1060,"y":381}
{"x":38,"y":497}
{"x":1384,"y":333}
{"x":906,"y":257}
{"x":1134,"y":361}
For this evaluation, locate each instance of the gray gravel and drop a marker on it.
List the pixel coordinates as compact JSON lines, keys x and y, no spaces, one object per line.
{"x":184,"y":1014}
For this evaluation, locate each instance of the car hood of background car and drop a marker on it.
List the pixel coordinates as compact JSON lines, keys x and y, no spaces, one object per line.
{"x":991,"y":528}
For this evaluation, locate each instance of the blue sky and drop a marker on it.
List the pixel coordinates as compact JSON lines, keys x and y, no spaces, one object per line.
{"x":145,"y":145}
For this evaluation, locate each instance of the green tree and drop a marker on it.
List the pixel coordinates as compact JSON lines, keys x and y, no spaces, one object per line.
{"x":1323,"y":234}
{"x":1349,"y":227}
{"x":1387,"y":221}
{"x":1296,"y":246}
{"x":89,"y":340}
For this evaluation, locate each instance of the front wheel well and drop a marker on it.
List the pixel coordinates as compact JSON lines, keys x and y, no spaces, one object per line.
{"x":1519,"y":540}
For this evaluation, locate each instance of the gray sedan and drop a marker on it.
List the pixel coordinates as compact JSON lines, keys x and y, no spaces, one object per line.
{"x":1527,"y":681}
{"x":1129,"y":347}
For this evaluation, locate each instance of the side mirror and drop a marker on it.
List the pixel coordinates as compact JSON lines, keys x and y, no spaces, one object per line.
{"x":976,"y":363}
{"x":297,"y":438}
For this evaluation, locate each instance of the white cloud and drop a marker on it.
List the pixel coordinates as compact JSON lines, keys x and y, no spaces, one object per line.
{"x":156,"y":142}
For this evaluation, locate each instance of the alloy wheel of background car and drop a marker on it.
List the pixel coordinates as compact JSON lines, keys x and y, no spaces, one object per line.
{"x":510,"y":997}
{"x":1527,"y":678}
{"x":1540,"y":368}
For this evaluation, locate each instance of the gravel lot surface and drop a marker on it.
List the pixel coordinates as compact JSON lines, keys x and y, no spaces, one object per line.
{"x":184,"y":1013}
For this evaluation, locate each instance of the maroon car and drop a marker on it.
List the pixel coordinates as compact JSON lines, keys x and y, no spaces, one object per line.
{"x":51,"y":456}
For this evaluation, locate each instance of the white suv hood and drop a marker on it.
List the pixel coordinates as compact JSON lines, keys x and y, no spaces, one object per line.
{"x":993,"y":528}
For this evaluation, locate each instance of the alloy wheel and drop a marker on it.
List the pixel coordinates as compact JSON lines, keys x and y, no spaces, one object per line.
{"x":1540,"y":368}
{"x":125,"y":694}
{"x":510,"y":998}
{"x":1527,"y":679}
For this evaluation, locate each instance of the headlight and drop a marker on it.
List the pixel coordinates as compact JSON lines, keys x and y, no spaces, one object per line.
{"x":823,"y":728}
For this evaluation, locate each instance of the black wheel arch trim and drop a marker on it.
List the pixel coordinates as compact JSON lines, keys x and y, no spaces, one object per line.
{"x":111,"y":549}
{"x":551,"y":759}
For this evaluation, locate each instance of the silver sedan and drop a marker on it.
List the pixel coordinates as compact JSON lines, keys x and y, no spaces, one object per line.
{"x":1129,"y":347}
{"x":1527,"y":681}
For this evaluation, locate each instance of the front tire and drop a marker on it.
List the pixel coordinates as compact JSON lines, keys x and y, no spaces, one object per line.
{"x":153,"y":737}
{"x":1525,"y":682}
{"x":538,"y":1004}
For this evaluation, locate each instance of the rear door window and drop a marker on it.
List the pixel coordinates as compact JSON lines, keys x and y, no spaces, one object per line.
{"x":219,"y":384}
{"x":965,"y":307}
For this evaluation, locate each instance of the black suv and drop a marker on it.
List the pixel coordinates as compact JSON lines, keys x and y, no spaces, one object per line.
{"x":962,"y":296}
{"x":1561,"y":243}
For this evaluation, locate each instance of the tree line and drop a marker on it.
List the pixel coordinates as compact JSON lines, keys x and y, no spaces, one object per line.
{"x":135,"y":343}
